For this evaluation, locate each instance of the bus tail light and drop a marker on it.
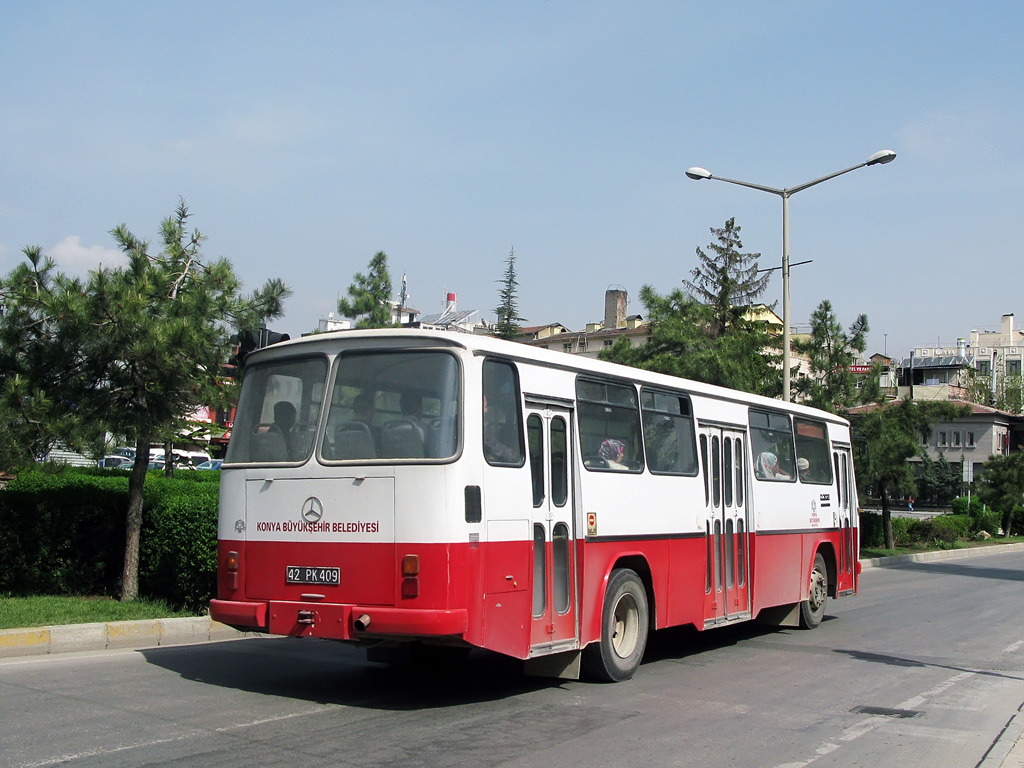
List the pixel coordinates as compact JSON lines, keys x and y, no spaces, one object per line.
{"x":410,"y":576}
{"x":231,"y":565}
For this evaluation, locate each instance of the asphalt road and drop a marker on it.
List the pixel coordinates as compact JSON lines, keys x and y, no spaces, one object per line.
{"x":924,"y":668}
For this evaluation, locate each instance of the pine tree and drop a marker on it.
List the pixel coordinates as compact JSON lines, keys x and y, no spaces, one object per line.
{"x":131,"y":350}
{"x":681,"y":343}
{"x":727,"y":279}
{"x":369,"y":299}
{"x":507,"y":325}
{"x":831,"y":386}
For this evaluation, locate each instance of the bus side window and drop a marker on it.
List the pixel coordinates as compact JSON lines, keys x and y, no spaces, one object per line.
{"x":669,"y":438}
{"x":812,"y":450}
{"x":609,"y":423}
{"x":771,"y":443}
{"x":503,"y":436}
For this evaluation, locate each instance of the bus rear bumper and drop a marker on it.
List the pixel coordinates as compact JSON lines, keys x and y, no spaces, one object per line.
{"x":239,"y":614}
{"x":340,"y":622}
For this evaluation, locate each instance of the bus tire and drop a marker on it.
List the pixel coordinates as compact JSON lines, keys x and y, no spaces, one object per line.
{"x":812,"y":610}
{"x":624,"y":624}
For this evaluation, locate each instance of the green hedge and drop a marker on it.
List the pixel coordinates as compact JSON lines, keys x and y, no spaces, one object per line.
{"x":63,"y":534}
{"x":943,"y":529}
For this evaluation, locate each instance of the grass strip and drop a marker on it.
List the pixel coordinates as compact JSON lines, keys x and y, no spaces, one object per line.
{"x":46,"y":610}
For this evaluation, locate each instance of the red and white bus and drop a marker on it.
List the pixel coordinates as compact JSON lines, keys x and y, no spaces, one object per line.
{"x":444,"y":489}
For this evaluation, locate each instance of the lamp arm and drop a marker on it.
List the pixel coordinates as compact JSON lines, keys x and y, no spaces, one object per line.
{"x":802,"y":187}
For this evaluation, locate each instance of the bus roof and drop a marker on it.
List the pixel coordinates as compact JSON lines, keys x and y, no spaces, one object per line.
{"x":331,"y":341}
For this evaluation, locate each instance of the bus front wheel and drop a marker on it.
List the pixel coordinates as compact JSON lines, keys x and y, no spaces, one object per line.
{"x":624,"y":624}
{"x":812,"y":610}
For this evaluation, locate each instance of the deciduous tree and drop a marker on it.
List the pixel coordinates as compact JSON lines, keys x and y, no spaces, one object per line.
{"x":1002,"y":486}
{"x":886,"y":437}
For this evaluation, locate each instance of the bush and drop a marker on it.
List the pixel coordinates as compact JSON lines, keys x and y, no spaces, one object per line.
{"x":178,"y":552}
{"x":937,"y":530}
{"x":1017,"y":521}
{"x":902,"y":533}
{"x":959,"y":506}
{"x":961,"y":524}
{"x":64,"y":535}
{"x":987,"y":520}
{"x":871,"y":532}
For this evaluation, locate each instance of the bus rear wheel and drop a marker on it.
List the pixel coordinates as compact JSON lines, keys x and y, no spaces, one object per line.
{"x":624,"y":624}
{"x":812,"y":610}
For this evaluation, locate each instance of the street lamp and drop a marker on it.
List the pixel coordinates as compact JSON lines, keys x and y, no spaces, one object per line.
{"x":696,"y":173}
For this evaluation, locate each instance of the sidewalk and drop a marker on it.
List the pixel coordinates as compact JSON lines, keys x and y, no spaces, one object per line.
{"x":152,"y":633}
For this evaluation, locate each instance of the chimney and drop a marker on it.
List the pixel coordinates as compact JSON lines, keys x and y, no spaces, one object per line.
{"x":961,"y":347}
{"x":450,"y":304}
{"x":1007,"y":328}
{"x":615,"y":307}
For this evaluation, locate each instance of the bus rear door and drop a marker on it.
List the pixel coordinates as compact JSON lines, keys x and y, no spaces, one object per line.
{"x":549,"y":444}
{"x":726,"y":525}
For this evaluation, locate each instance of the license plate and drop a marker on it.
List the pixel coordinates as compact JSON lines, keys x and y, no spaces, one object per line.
{"x":309,"y":574}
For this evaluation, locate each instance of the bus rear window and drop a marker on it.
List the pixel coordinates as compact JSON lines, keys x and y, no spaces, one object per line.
{"x":393,"y":406}
{"x":278,"y":411}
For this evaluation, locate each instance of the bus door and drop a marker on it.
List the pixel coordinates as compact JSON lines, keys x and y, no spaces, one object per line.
{"x":846,"y":522}
{"x":549,"y":445}
{"x":727,"y":572}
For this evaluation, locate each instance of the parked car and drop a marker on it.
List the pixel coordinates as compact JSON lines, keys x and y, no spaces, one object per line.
{"x":155,"y":464}
{"x":211,"y":464}
{"x":109,"y":462}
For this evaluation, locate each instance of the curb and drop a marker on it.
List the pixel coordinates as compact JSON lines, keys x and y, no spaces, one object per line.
{"x":942,"y":554}
{"x":157,"y":633}
{"x":153,"y":633}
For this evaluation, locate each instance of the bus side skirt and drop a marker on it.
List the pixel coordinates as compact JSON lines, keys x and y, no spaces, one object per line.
{"x":780,"y":615}
{"x":565,"y":665}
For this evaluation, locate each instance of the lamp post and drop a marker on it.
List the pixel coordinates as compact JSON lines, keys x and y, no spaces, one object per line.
{"x":696,"y":173}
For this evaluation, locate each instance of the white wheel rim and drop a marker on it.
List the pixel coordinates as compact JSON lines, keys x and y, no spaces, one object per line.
{"x":626,"y":632}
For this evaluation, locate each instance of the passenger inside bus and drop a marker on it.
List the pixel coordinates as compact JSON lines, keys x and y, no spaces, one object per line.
{"x":501,"y":445}
{"x":803,"y":466}
{"x":358,"y":439}
{"x":768,"y":467}
{"x":613,"y":452}
{"x":284,"y":420}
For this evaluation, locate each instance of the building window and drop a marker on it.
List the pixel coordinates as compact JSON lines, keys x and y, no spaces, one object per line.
{"x":567,"y":347}
{"x":984,"y":367}
{"x":956,"y":439}
{"x":1013,"y":367}
{"x":608,"y":343}
{"x":970,"y":440}
{"x":942,"y":439}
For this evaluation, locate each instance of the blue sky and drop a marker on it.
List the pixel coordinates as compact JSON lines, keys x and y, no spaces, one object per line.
{"x":306,"y":137}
